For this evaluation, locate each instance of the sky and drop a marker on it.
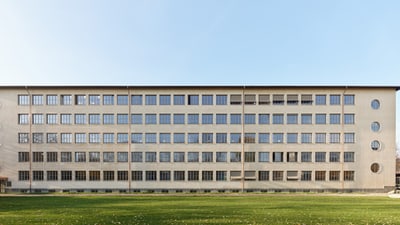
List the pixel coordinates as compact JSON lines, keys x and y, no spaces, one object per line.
{"x":262,"y":42}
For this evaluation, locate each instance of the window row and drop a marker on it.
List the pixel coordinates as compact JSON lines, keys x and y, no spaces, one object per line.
{"x":191,"y":118}
{"x":189,"y":99}
{"x":205,"y":157}
{"x":181,"y":175}
{"x":188,"y":138}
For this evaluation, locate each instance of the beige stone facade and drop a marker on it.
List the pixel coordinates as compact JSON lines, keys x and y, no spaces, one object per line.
{"x":199,"y":138}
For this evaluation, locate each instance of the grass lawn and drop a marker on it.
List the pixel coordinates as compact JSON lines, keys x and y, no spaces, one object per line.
{"x":199,"y":209}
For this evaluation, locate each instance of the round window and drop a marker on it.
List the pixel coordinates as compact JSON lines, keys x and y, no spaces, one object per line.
{"x":375,"y":104}
{"x":375,"y":126}
{"x":375,"y":167}
{"x":375,"y":145}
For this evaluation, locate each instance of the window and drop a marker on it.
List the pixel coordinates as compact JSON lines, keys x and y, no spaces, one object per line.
{"x":66,"y":138}
{"x":334,"y":138}
{"x":193,"y":138}
{"x":236,"y":138}
{"x":207,"y":100}
{"x":375,"y":126}
{"x":52,"y":175}
{"x":193,"y":175}
{"x":122,"y":156}
{"x":292,"y":118}
{"x":80,"y":99}
{"x":165,"y":156}
{"x":193,"y":118}
{"x":165,"y":118}
{"x":207,"y":118}
{"x":263,"y":138}
{"x":122,"y":138}
{"x":137,"y":156}
{"x":263,"y":118}
{"x":122,"y":119}
{"x":334,"y":99}
{"x":263,"y":175}
{"x":348,"y":175}
{"x":37,"y":118}
{"x":263,"y":100}
{"x":52,"y":100}
{"x":193,"y":157}
{"x":179,"y":99}
{"x":165,"y":99}
{"x":292,"y":138}
{"x":108,"y":175}
{"x":263,"y":156}
{"x":179,"y":157}
{"x":221,"y":175}
{"x":80,"y":118}
{"x":23,"y":156}
{"x":179,"y":175}
{"x":278,"y":99}
{"x":37,"y":138}
{"x":221,"y":156}
{"x":66,"y":157}
{"x":277,"y":138}
{"x":179,"y":118}
{"x":94,"y":138}
{"x":250,"y":99}
{"x":236,"y":156}
{"x":150,"y":138}
{"x":51,"y":118}
{"x":320,"y":138}
{"x":250,"y":138}
{"x":137,"y":175}
{"x":277,"y":119}
{"x":150,"y":118}
{"x":66,"y":99}
{"x":249,"y":156}
{"x":179,"y":138}
{"x":249,"y":118}
{"x":108,"y":99}
{"x":320,"y":157}
{"x":137,"y":100}
{"x":108,"y":138}
{"x":37,"y":100}
{"x":207,"y":157}
{"x":334,"y":157}
{"x":349,"y":157}
{"x":94,"y":118}
{"x":23,"y":138}
{"x":193,"y":99}
{"x":52,"y":156}
{"x":80,"y":156}
{"x":221,"y":138}
{"x":349,"y":99}
{"x":207,"y":175}
{"x":66,"y":118}
{"x":334,"y":118}
{"x":277,"y":156}
{"x":221,"y":119}
{"x":108,"y":157}
{"x":334,"y":175}
{"x":306,"y":157}
{"x":94,"y":99}
{"x":305,"y":175}
{"x":80,"y":138}
{"x":375,"y":104}
{"x":292,"y":175}
{"x":291,"y":157}
{"x":320,"y":99}
{"x":23,"y":175}
{"x":375,"y":167}
{"x":23,"y":100}
{"x":23,"y":119}
{"x":236,"y":118}
{"x":292,"y":99}
{"x":277,"y":175}
{"x":375,"y":145}
{"x":66,"y":175}
{"x":94,"y":175}
{"x":348,"y":119}
{"x":37,"y":175}
{"x":236,"y":99}
{"x":306,"y":118}
{"x":80,"y":175}
{"x":108,"y":118}
{"x":165,"y":175}
{"x":94,"y":156}
{"x":306,"y":138}
{"x":151,"y":157}
{"x":320,"y":175}
{"x":349,"y":138}
{"x":320,"y":119}
{"x":306,"y":99}
{"x":122,"y":99}
{"x":222,"y":99}
{"x":165,"y":138}
{"x":207,"y":138}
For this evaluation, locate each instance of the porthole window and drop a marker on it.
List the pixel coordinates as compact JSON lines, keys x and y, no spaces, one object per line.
{"x":375,"y":145}
{"x":375,"y":126}
{"x":375,"y":167}
{"x":375,"y":104}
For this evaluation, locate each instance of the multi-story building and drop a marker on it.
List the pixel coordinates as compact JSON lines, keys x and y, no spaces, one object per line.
{"x":197,"y":138}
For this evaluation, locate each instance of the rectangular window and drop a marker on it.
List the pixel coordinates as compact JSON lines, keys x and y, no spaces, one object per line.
{"x":221,"y":157}
{"x":292,"y":175}
{"x":150,"y":118}
{"x":23,"y":175}
{"x":94,"y":99}
{"x":37,"y":100}
{"x":66,"y":118}
{"x":193,"y":118}
{"x":320,"y":138}
{"x":137,"y":138}
{"x":193,"y":175}
{"x":348,"y":175}
{"x":236,"y":156}
{"x":66,"y":138}
{"x":277,"y":119}
{"x":165,"y":138}
{"x":23,"y":156}
{"x":37,"y":118}
{"x":221,"y":175}
{"x":66,"y":99}
{"x":320,"y":99}
{"x":179,"y":138}
{"x":207,"y":157}
{"x":334,"y":175}
{"x":292,"y":99}
{"x":277,"y":156}
{"x":278,"y":99}
{"x":236,"y":99}
{"x":193,"y":157}
{"x":137,"y":175}
{"x":80,"y":99}
{"x":151,"y":157}
{"x":51,"y":118}
{"x":320,"y":175}
{"x":136,"y":100}
{"x":37,"y":175}
{"x":349,"y":157}
{"x":320,"y":118}
{"x":263,"y":118}
{"x":94,"y":175}
{"x":207,"y":138}
{"x":94,"y":156}
{"x":122,"y":100}
{"x":179,"y":157}
{"x":108,"y":157}
{"x":66,"y":175}
{"x":150,"y":138}
{"x":306,"y":138}
{"x":249,"y":118}
{"x":263,"y":175}
{"x":349,"y":138}
{"x":52,"y":175}
{"x":165,"y":99}
{"x":207,"y":118}
{"x":122,"y":119}
{"x":207,"y":100}
{"x":193,"y":138}
{"x":334,"y":138}
{"x":179,"y":118}
{"x":250,"y":99}
{"x":23,"y":100}
{"x":221,"y":119}
{"x":108,"y":138}
{"x":292,"y":118}
{"x":277,"y":175}
{"x":348,"y":119}
{"x":222,"y":99}
{"x":334,"y":118}
{"x":165,"y":156}
{"x":250,"y":157}
{"x":179,"y":99}
{"x":236,"y":138}
{"x":306,"y":157}
{"x":207,"y":175}
{"x":292,"y":138}
{"x":52,"y":156}
{"x":263,"y":156}
{"x":349,"y":99}
{"x":80,"y":118}
{"x":137,"y":157}
{"x":291,"y":157}
{"x":122,"y":156}
{"x":80,"y":175}
{"x":80,"y":156}
{"x":23,"y":118}
{"x":66,"y":157}
{"x":263,"y":99}
{"x":236,"y":118}
{"x":37,"y":138}
{"x":277,"y":138}
{"x":306,"y":99}
{"x":80,"y":138}
{"x":221,"y":138}
{"x":165,"y":175}
{"x":263,"y":138}
{"x":334,"y":156}
{"x":306,"y":118}
{"x":23,"y":138}
{"x":108,"y":99}
{"x":179,"y":175}
{"x":305,"y":175}
{"x":94,"y":138}
{"x":94,"y":118}
{"x":52,"y":100}
{"x":193,"y":99}
{"x":108,"y":175}
{"x":320,"y":157}
{"x":122,"y":138}
{"x":334,"y":99}
{"x":108,"y":118}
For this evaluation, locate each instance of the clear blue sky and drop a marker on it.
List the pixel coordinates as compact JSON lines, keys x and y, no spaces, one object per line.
{"x":200,"y":42}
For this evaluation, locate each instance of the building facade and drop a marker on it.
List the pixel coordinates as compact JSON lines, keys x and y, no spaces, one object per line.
{"x":197,"y":138}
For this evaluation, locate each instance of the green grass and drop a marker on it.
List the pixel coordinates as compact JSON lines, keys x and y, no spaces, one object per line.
{"x":201,"y":209}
